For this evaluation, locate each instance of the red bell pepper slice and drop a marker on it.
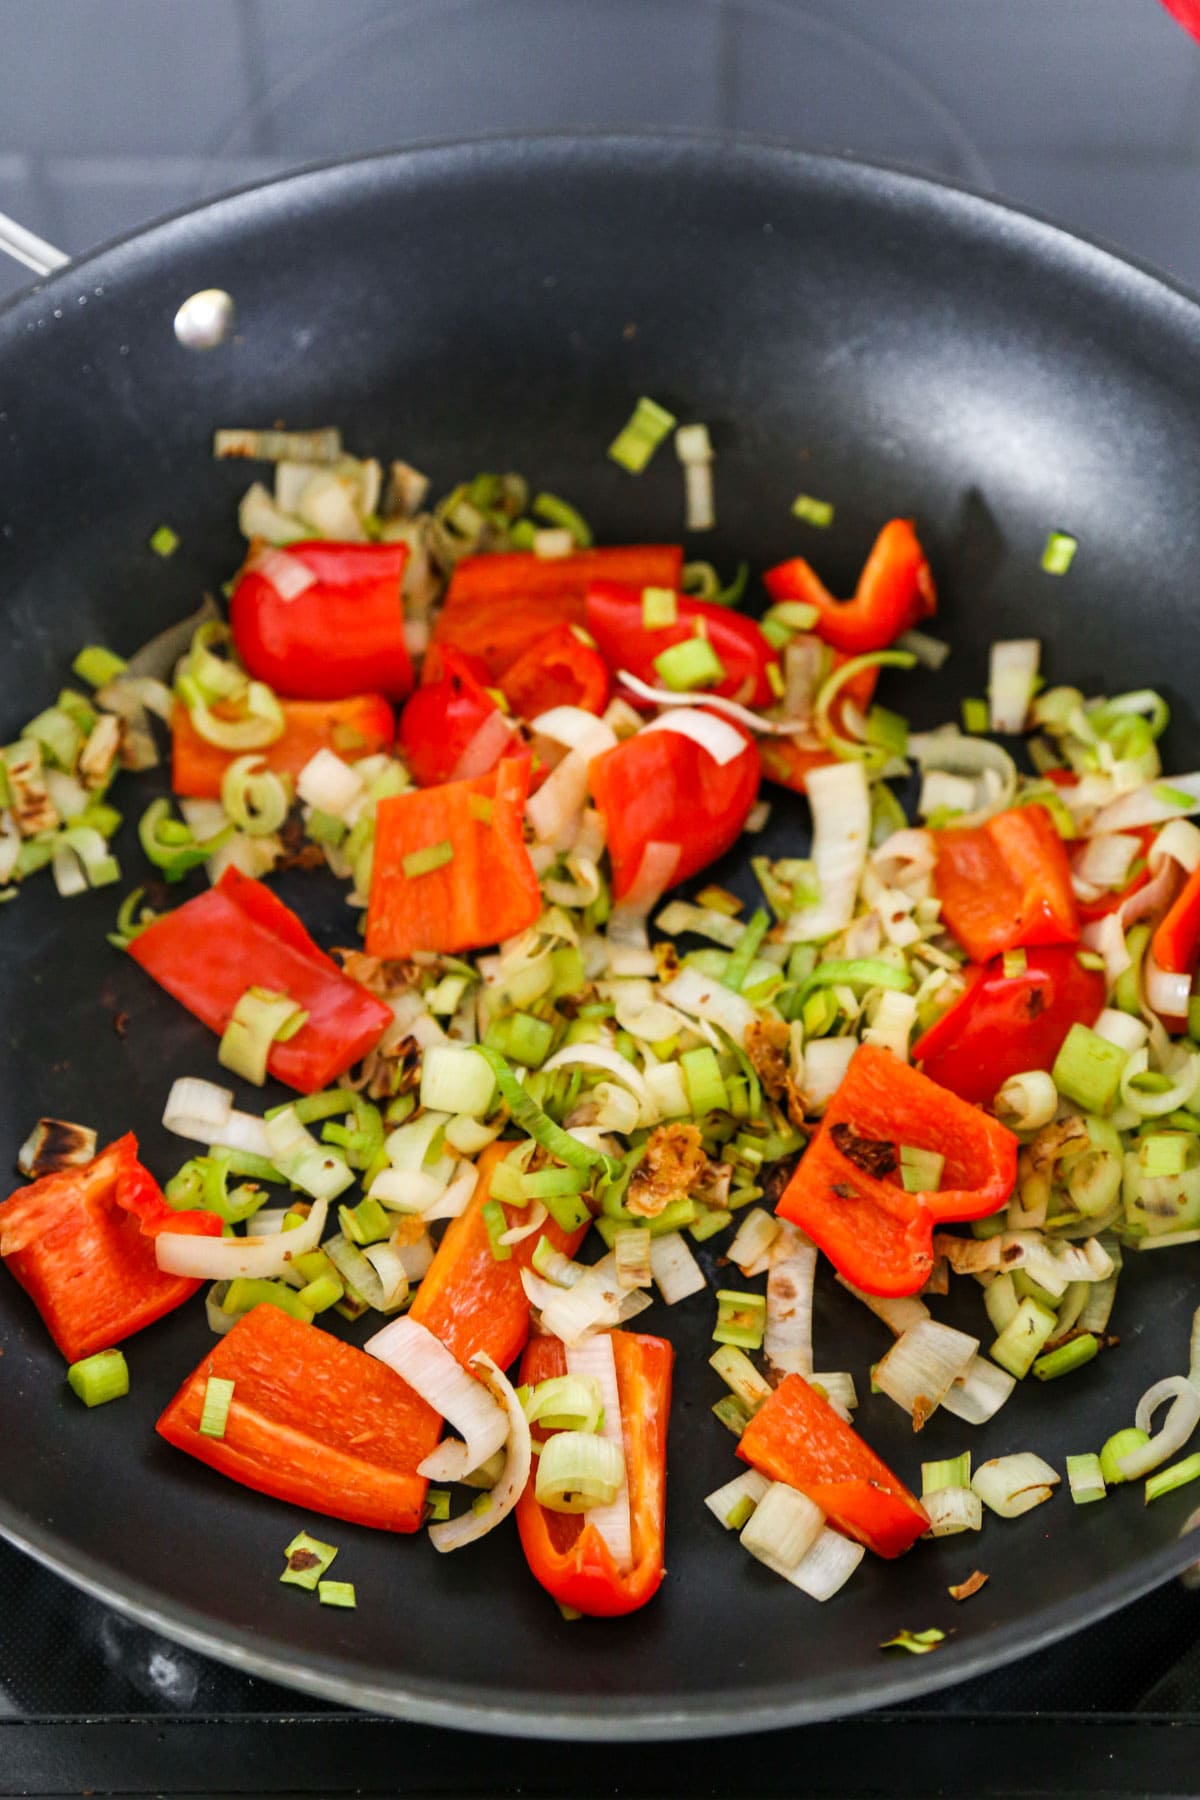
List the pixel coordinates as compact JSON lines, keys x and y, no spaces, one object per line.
{"x":312,"y":1421}
{"x":875,"y":1234}
{"x":788,"y":761}
{"x":895,"y":592}
{"x":467,"y":1298}
{"x":661,"y":787}
{"x":615,"y":620}
{"x":81,"y":1244}
{"x":567,"y":1555}
{"x":444,"y":717}
{"x":558,"y":670}
{"x":339,"y":637}
{"x":796,"y":1437}
{"x":238,"y":935}
{"x":487,"y":891}
{"x":360,"y":726}
{"x":1004,"y":1024}
{"x":1006,"y":883}
{"x":1091,"y":910}
{"x":497,"y":605}
{"x":1176,"y":942}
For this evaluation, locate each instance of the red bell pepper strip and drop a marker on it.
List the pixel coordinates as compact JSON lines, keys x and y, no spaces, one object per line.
{"x":341,"y":636}
{"x":486,"y":891}
{"x":1175,"y":945}
{"x":1091,"y":910}
{"x":788,"y":761}
{"x":444,"y":717}
{"x":497,"y":605}
{"x":875,"y":1234}
{"x":558,"y":670}
{"x":895,"y":592}
{"x":469,"y":1299}
{"x":615,"y":620}
{"x":238,"y":935}
{"x":81,"y":1244}
{"x":1006,"y":883}
{"x":660,"y":787}
{"x":1004,"y":1024}
{"x":796,"y":1437}
{"x":356,"y":727}
{"x":312,"y":1422}
{"x":567,"y":1555}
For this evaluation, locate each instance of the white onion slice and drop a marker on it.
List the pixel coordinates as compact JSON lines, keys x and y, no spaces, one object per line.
{"x":1166,"y":992}
{"x":1107,"y":937}
{"x":329,"y":784}
{"x":1148,"y":805}
{"x":979,"y":1394}
{"x":1177,"y":1427}
{"x":440,"y":1379}
{"x":716,"y":702}
{"x":921,"y":1365}
{"x":700,"y":997}
{"x":1012,"y":1485}
{"x":453,"y":1534}
{"x":841,"y":808}
{"x":596,"y":1358}
{"x":677,"y":1275}
{"x":559,"y":799}
{"x":791,"y":1272}
{"x":517,"y":1234}
{"x":828,"y":1566}
{"x":222,"y":1259}
{"x":456,"y":1197}
{"x":486,"y":748}
{"x":1013,"y":671}
{"x":575,"y":729}
{"x":826,"y":1061}
{"x":713,"y":735}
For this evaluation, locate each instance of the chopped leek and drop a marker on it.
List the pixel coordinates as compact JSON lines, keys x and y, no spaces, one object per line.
{"x":741,"y":1319}
{"x":336,"y":1593}
{"x":1070,"y":1356}
{"x":1088,"y":1070}
{"x":98,"y":666}
{"x":659,"y":608}
{"x":1119,"y":1446}
{"x":426,"y":860}
{"x":813,"y":511}
{"x":307,"y":1560}
{"x":1086,"y":1479}
{"x":577,"y":1470}
{"x":975,"y":716}
{"x":99,"y":1378}
{"x":496,"y":1225}
{"x":705,"y":1085}
{"x":1165,"y":1481}
{"x":1059,"y":553}
{"x":559,"y":512}
{"x":693,"y":663}
{"x":164,"y":541}
{"x":1022,"y":1339}
{"x":641,"y":436}
{"x":260,"y":1020}
{"x":917,"y":1643}
{"x":214,"y":1414}
{"x":954,"y":1473}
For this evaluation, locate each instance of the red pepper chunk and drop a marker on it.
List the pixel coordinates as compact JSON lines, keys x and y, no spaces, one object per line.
{"x":1006,"y":883}
{"x":875,"y":1234}
{"x":312,"y":1421}
{"x":1176,"y":942}
{"x":496,"y":606}
{"x":559,"y":669}
{"x":796,"y":1437}
{"x":469,"y":1299}
{"x":81,"y":1244}
{"x":615,"y":619}
{"x":341,"y":636}
{"x":352,"y":728}
{"x":567,"y":1555}
{"x":443,"y":719}
{"x":1005,"y":1024}
{"x":239,"y":935}
{"x":661,"y":787}
{"x":486,"y":891}
{"x":895,"y":592}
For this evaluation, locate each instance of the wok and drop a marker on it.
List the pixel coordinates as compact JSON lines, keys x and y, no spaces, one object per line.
{"x":889,"y":344}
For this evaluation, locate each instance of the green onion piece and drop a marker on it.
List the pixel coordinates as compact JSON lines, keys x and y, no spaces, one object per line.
{"x":1070,"y":1356}
{"x":322,"y":1293}
{"x":576,"y":1470}
{"x":954,"y":1473}
{"x":245,"y":1292}
{"x":745,"y":950}
{"x":214,"y":1415}
{"x":887,"y":730}
{"x":307,"y":1560}
{"x":702,"y":1077}
{"x":919,"y":1643}
{"x":259,"y":1019}
{"x":496,"y":1223}
{"x":659,"y":608}
{"x":164,"y":541}
{"x":1086,"y":1479}
{"x":741,"y":1319}
{"x":1015,"y":963}
{"x":366,"y":1223}
{"x":1059,"y":553}
{"x":425,"y":861}
{"x":1023,"y":1338}
{"x":336,"y":1593}
{"x":1088,"y":1070}
{"x":530,"y":1118}
{"x":99,"y":1378}
{"x":637,"y":441}
{"x":733,"y":1413}
{"x":553,"y":511}
{"x":813,"y":511}
{"x":98,"y":666}
{"x":521,"y":1038}
{"x":975,"y":716}
{"x":1165,"y":1481}
{"x":1121,"y":1444}
{"x":688,"y":665}
{"x":921,"y":1172}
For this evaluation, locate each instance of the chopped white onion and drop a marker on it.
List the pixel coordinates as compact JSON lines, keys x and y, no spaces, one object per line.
{"x":329,"y":784}
{"x":792,"y":1269}
{"x":841,"y":808}
{"x":1012,"y":1485}
{"x":222,"y":1259}
{"x":700,"y":997}
{"x":596,"y":1358}
{"x":1177,"y":1427}
{"x":719,"y":739}
{"x":826,"y":1061}
{"x":592,"y":1304}
{"x":828,"y":1566}
{"x":1104,"y":860}
{"x":979,"y":1394}
{"x":205,"y":1113}
{"x":1013,"y":675}
{"x":677,"y":1274}
{"x":465,"y":1403}
{"x":750,"y":1249}
{"x":921,"y":1365}
{"x":575,"y":729}
{"x":453,"y":1534}
{"x":516,"y":1234}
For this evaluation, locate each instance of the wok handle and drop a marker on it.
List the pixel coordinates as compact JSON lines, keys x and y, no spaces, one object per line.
{"x":27,"y":248}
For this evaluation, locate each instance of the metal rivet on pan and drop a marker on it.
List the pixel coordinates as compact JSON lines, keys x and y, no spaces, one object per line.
{"x":205,"y":319}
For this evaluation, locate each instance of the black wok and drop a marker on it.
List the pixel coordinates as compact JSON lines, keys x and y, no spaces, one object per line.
{"x":860,"y":334}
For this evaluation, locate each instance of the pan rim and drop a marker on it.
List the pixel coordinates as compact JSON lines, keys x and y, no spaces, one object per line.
{"x":513,"y":1712}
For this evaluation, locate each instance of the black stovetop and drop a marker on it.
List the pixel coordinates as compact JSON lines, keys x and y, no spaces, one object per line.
{"x":113,"y":112}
